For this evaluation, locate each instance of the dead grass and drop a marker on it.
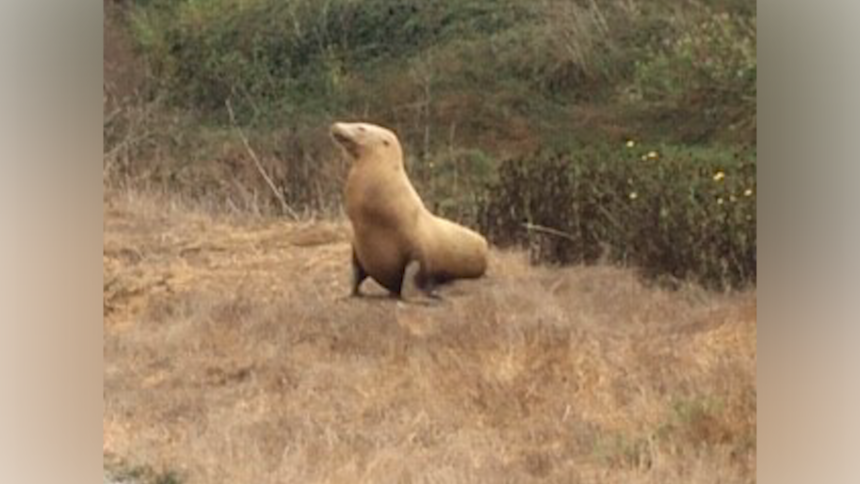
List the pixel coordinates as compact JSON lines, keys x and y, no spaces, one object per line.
{"x":231,"y":355}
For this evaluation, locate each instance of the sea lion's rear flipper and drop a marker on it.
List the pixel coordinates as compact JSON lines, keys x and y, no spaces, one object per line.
{"x":427,"y":282}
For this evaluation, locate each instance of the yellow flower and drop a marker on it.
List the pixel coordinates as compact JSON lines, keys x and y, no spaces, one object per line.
{"x":718,"y":176}
{"x":631,"y":143}
{"x":653,"y":155}
{"x":748,"y":192}
{"x":720,"y":201}
{"x":634,"y":195}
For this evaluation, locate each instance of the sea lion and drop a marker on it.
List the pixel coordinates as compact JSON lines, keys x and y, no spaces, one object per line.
{"x":391,"y":225}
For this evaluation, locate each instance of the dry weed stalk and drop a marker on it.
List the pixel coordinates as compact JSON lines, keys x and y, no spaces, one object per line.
{"x":285,"y":207}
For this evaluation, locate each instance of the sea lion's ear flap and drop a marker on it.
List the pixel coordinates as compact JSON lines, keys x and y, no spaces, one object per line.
{"x":386,"y":143}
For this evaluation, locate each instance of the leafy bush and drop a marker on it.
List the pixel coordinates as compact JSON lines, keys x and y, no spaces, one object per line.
{"x":706,"y":75}
{"x":449,"y":182}
{"x":688,"y":214}
{"x":279,"y":58}
{"x":476,"y":64}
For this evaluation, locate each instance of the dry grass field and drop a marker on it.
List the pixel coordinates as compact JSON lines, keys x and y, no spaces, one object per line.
{"x":231,"y":355}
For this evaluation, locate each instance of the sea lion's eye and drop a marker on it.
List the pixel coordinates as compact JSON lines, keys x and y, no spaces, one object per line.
{"x":361,"y":128}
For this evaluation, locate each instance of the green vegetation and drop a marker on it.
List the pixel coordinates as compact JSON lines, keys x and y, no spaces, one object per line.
{"x":689,"y":213}
{"x":482,"y":65}
{"x":479,"y":91}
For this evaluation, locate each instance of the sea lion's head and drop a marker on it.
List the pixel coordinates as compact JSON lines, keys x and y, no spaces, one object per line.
{"x":361,"y":140}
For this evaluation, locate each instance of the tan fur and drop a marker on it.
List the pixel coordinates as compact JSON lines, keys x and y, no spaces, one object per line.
{"x":391,"y":225}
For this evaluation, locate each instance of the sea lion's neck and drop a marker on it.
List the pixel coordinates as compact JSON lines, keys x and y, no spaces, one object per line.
{"x":381,"y":176}
{"x":379,"y":165}
{"x":380,"y":159}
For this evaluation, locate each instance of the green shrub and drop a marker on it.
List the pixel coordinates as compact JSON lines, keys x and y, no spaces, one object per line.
{"x":449,"y":182}
{"x":705,"y":74}
{"x":688,"y":214}
{"x":680,"y":73}
{"x":279,"y":58}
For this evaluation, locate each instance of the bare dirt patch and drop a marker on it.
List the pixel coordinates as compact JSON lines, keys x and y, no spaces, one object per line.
{"x":232,"y":355}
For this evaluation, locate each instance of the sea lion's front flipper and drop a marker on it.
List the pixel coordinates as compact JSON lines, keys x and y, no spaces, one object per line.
{"x":358,"y":274}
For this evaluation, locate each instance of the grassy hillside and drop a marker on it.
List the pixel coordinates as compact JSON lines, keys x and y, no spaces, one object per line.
{"x":523,"y":70}
{"x":232,"y":355}
{"x":588,"y":136}
{"x":474,"y":88}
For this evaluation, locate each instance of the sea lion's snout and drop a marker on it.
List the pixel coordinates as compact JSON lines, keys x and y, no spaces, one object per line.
{"x":340,"y":132}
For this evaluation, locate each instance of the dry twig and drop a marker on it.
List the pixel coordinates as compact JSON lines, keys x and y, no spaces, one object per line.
{"x":549,"y":230}
{"x":278,"y":194}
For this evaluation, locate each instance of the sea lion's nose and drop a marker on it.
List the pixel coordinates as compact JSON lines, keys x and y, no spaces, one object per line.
{"x":338,"y":128}
{"x":340,"y":132}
